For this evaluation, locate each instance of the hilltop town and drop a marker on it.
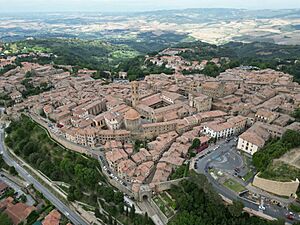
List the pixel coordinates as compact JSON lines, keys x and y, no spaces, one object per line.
{"x":143,"y":132}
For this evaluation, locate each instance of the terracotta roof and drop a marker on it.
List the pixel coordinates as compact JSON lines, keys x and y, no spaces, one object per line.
{"x":52,"y":218}
{"x":253,"y":138}
{"x":18,"y":212}
{"x":132,"y":115}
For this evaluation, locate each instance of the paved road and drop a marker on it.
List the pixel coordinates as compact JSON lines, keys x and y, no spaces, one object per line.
{"x":73,"y":216}
{"x":29,"y":200}
{"x":202,"y":167}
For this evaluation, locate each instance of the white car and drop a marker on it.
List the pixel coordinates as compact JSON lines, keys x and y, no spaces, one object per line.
{"x":261,"y":207}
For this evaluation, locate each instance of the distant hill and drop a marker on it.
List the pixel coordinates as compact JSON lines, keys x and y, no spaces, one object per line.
{"x":284,"y":58}
{"x":129,"y":55}
{"x":213,"y":25}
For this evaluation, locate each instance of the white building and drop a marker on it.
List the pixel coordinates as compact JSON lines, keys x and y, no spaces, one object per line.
{"x":253,"y":139}
{"x":219,"y":130}
{"x":250,"y":142}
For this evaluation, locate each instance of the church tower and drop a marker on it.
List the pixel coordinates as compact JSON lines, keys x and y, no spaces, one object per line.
{"x":135,"y":97}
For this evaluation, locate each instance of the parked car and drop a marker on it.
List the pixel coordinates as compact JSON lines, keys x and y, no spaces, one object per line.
{"x":290,"y":216}
{"x":237,"y":170}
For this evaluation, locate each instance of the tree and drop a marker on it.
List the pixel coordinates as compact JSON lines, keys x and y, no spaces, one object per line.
{"x":236,"y":208}
{"x":196,"y":143}
{"x":71,"y":195}
{"x":110,"y":219}
{"x":5,"y":220}
{"x":291,"y":138}
{"x":118,"y":197}
{"x":23,"y":198}
{"x":146,"y":218}
{"x":13,"y":171}
{"x":108,"y":194}
{"x":211,"y":70}
{"x":97,"y":212}
{"x":132,"y":212}
{"x":296,"y":114}
{"x":2,"y":163}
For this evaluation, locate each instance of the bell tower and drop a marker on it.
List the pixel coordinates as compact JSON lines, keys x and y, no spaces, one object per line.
{"x":135,"y":97}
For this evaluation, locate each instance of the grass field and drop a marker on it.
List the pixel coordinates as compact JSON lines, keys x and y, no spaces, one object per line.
{"x":234,"y":186}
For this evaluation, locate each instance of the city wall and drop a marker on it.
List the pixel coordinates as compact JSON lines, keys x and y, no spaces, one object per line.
{"x":163,"y":186}
{"x":62,"y":141}
{"x":276,"y":187}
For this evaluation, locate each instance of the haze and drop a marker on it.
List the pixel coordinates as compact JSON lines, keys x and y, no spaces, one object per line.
{"x":137,"y":5}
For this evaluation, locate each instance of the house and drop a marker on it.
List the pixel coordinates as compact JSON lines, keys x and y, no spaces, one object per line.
{"x":16,"y":96}
{"x":265,"y":115}
{"x":16,"y":212}
{"x":52,"y":218}
{"x":253,"y":139}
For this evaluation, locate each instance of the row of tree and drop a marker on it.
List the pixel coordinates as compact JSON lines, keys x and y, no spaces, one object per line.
{"x":31,"y":142}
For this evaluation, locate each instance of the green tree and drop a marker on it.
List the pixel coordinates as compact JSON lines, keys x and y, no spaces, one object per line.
{"x":23,"y":198}
{"x":291,"y":138}
{"x":211,"y":70}
{"x":118,"y":197}
{"x":296,"y":114}
{"x":132,"y":212}
{"x":196,"y":143}
{"x":97,"y":213}
{"x":236,"y":208}
{"x":13,"y":171}
{"x":4,"y":219}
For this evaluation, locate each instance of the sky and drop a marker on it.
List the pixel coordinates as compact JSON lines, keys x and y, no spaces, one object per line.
{"x":138,"y":5}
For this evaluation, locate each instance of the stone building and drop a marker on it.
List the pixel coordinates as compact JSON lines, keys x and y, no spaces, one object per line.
{"x":132,"y":120}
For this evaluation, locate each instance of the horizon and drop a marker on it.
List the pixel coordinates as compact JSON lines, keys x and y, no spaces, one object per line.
{"x":131,"y":6}
{"x":146,"y":11}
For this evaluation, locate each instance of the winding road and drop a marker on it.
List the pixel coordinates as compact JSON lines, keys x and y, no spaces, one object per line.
{"x":73,"y":216}
{"x":224,"y":148}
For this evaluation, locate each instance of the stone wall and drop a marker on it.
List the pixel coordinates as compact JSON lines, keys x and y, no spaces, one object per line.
{"x":277,"y":187}
{"x":163,"y":186}
{"x":62,"y":141}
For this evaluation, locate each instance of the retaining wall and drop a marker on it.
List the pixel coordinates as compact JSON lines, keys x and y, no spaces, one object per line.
{"x":276,"y":187}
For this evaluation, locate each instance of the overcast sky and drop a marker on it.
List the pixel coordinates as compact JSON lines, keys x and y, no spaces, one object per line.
{"x":139,"y":5}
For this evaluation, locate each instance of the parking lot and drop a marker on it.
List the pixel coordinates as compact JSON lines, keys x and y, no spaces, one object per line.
{"x":231,"y":162}
{"x":225,"y":159}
